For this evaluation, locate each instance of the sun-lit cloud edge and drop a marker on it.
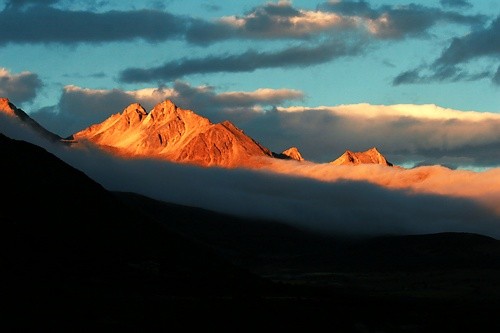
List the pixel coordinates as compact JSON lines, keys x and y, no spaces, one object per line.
{"x":480,"y":186}
{"x":423,"y":111}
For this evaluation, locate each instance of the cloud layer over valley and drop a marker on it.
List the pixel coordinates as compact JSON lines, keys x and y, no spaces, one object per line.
{"x":347,"y":201}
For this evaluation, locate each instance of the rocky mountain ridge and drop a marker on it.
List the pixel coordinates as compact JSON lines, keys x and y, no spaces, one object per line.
{"x":171,"y":133}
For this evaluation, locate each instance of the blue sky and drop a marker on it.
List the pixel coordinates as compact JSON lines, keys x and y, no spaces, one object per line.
{"x":72,"y":63}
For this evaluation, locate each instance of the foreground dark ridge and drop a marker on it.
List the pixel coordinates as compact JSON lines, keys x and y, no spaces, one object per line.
{"x":78,"y":258}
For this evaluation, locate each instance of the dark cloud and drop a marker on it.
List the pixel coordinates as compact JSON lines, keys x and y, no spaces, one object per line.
{"x":394,"y":22}
{"x":410,"y":76}
{"x":450,"y":66}
{"x":202,"y":32}
{"x":479,"y":43}
{"x":455,"y":3}
{"x":449,"y":73}
{"x":19,"y":88}
{"x":340,"y":207}
{"x":351,"y":8}
{"x":281,"y":20}
{"x":249,"y":61}
{"x":43,"y":24}
{"x":262,"y":21}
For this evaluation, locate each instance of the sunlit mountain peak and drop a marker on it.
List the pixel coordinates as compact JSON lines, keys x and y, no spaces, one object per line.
{"x":7,"y":107}
{"x":293,"y":153}
{"x":172,"y":133}
{"x":370,"y":156}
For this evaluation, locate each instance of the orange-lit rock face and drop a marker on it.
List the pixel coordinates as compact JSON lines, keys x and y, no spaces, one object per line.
{"x":293,"y":153}
{"x":172,"y":133}
{"x":6,"y":107}
{"x":371,"y":156}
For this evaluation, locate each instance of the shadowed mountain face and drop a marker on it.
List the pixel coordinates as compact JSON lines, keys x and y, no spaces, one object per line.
{"x":174,"y":134}
{"x":72,"y":250}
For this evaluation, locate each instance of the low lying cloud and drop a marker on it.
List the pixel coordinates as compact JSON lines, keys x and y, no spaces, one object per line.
{"x":19,"y":88}
{"x":343,"y":203}
{"x":249,"y":61}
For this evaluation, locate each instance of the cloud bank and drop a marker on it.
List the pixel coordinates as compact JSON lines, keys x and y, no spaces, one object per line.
{"x":336,"y":206}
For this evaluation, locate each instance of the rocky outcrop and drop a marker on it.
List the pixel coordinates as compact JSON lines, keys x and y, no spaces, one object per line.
{"x":370,"y":156}
{"x":175,"y":134}
{"x":291,"y":153}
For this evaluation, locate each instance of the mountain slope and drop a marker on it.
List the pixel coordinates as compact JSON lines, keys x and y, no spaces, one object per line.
{"x":76,"y":258}
{"x":174,"y":134}
{"x":370,"y":156}
{"x":74,"y":252}
{"x":9,"y":109}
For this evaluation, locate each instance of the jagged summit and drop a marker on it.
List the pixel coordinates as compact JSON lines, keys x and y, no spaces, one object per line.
{"x":291,"y":153}
{"x":370,"y":156}
{"x":7,"y":107}
{"x":172,"y":133}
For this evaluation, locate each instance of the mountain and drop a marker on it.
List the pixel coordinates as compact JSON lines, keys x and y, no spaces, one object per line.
{"x":370,"y":156}
{"x":9,"y":109}
{"x":174,"y":134}
{"x":291,"y":153}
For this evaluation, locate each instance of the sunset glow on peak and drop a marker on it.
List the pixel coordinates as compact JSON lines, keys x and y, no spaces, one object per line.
{"x":6,"y":106}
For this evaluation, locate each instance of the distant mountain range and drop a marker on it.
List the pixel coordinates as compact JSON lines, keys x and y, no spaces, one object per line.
{"x":171,"y":133}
